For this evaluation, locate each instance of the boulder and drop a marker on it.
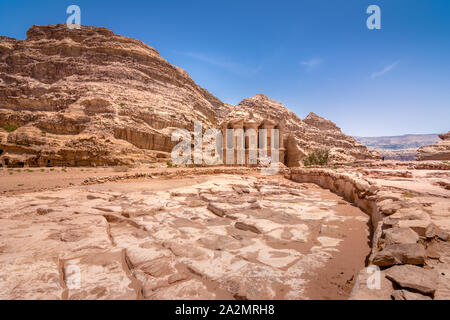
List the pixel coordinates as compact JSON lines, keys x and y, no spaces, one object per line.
{"x":400,"y":236}
{"x":421,"y":227}
{"x":406,"y":253}
{"x":388,"y":206}
{"x":433,"y":250}
{"x":423,"y":280}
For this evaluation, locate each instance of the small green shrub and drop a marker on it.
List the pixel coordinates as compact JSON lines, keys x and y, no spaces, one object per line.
{"x":317,"y":158}
{"x":10,"y":128}
{"x":169,"y":164}
{"x":409,"y":194}
{"x":122,"y":104}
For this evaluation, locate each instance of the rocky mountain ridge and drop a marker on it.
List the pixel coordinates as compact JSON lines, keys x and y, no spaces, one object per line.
{"x":407,"y":141}
{"x":91,"y":97}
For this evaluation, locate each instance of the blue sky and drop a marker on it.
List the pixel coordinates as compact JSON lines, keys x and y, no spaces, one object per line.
{"x":310,"y":55}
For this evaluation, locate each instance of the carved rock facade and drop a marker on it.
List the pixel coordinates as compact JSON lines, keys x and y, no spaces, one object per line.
{"x":91,"y":97}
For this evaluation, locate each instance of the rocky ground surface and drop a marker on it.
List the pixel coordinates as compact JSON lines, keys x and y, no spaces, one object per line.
{"x":230,"y":233}
{"x":233,"y":236}
{"x":410,"y":213}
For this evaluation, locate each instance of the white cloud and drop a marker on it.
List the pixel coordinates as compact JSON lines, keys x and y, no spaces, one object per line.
{"x":385,"y":70}
{"x":225,"y":64}
{"x":311,"y":64}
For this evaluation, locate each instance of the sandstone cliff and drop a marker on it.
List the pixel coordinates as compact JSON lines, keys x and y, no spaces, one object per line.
{"x":91,"y":97}
{"x":88,"y":96}
{"x":302,"y":136}
{"x":438,"y":151}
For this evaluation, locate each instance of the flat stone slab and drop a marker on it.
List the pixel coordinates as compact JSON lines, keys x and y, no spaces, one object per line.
{"x":400,"y":236}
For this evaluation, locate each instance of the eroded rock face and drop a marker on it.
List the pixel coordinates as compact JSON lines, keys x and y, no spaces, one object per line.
{"x":438,"y":151}
{"x":62,"y":87}
{"x":365,"y":289}
{"x":89,"y":96}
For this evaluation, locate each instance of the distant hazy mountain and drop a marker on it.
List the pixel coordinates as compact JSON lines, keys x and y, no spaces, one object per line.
{"x":403,"y":148}
{"x":399,"y":142}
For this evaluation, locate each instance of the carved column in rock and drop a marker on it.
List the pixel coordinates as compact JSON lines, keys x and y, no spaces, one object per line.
{"x":251,"y":143}
{"x":268,"y":125}
{"x":239,"y":143}
{"x":223,"y":129}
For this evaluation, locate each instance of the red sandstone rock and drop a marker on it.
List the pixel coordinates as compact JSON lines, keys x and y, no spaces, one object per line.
{"x":438,"y":151}
{"x":91,"y":97}
{"x":406,"y":253}
{"x":413,"y":277}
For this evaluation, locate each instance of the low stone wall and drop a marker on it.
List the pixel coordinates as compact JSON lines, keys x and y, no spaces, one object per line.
{"x":389,"y":164}
{"x":410,"y":252}
{"x":353,"y":189}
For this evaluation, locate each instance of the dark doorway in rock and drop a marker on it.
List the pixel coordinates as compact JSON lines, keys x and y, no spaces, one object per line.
{"x":1,"y":151}
{"x":21,"y":164}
